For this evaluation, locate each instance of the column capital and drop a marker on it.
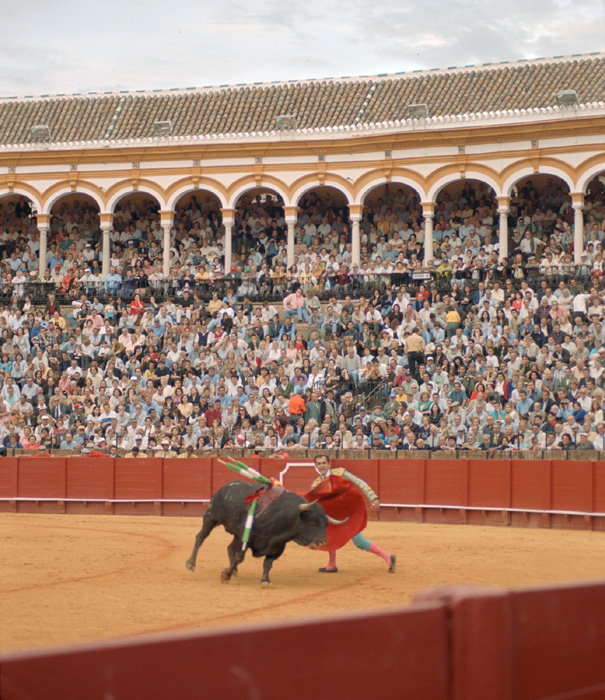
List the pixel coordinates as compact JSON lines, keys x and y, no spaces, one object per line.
{"x":106,"y":219}
{"x":167,"y":214}
{"x":43,"y":220}
{"x":356,"y":210}
{"x":228,"y":221}
{"x":503,"y":203}
{"x":291,"y":212}
{"x":291,"y":220}
{"x":577,"y":200}
{"x":428,"y":208}
{"x":228,"y":213}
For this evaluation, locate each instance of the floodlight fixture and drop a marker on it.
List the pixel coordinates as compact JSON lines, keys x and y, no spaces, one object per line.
{"x":567,"y":98}
{"x":162,"y":128}
{"x":418,"y":111}
{"x":285,"y":121}
{"x":40,"y":131}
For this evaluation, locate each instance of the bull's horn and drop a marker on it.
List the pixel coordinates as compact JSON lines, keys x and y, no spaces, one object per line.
{"x":333,"y":521}
{"x":306,"y":506}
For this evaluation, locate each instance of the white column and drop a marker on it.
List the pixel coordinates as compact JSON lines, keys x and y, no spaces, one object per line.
{"x":428,"y":237}
{"x":228,"y":226}
{"x":166,"y":222}
{"x":43,"y":229}
{"x":503,"y":212}
{"x":578,"y":231}
{"x":106,"y":228}
{"x":166,"y":226}
{"x":503,"y":232}
{"x":291,"y":222}
{"x":355,"y":239}
{"x":428,"y":212}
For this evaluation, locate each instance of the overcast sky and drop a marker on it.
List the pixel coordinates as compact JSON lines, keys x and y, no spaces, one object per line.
{"x":73,"y":46}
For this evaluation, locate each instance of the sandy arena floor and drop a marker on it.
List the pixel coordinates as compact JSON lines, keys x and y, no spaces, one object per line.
{"x":66,"y":579}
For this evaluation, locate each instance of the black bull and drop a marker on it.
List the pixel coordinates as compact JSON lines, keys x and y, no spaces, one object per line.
{"x":289,"y":517}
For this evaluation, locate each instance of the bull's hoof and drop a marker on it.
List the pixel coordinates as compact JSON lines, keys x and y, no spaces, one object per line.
{"x":265,"y":584}
{"x":190,"y":565}
{"x":225,"y":575}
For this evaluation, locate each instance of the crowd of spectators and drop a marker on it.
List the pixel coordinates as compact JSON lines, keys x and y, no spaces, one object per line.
{"x":465,"y":242}
{"x":480,"y":355}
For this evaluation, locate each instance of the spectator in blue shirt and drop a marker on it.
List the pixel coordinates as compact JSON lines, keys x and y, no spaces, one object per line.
{"x":524,"y":404}
{"x":565,"y":411}
{"x":113,"y":281}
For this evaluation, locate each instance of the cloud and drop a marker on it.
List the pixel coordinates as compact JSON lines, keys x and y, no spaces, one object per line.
{"x":116,"y":45}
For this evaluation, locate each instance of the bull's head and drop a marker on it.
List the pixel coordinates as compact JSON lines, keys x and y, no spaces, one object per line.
{"x":331,"y":521}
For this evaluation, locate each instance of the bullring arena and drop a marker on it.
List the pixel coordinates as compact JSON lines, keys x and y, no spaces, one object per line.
{"x":73,"y":574}
{"x":91,"y":578}
{"x":402,"y":271}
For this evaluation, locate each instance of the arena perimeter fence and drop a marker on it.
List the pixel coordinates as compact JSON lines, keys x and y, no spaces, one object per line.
{"x":456,"y":643}
{"x":548,"y":492}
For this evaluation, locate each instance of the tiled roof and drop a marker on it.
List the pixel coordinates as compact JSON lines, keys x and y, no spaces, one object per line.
{"x":334,"y":103}
{"x":69,"y":119}
{"x":516,"y":86}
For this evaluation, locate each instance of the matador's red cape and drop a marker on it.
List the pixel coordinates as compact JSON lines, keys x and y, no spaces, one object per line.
{"x":341,"y":499}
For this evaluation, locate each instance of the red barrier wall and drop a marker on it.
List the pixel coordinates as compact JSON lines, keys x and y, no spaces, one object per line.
{"x":530,"y":484}
{"x":86,"y":476}
{"x":402,"y":482}
{"x":433,"y":490}
{"x":489,"y":483}
{"x":456,"y":643}
{"x":598,"y":497}
{"x":8,"y":476}
{"x":185,"y":480}
{"x":362,"y":657}
{"x":565,"y":627}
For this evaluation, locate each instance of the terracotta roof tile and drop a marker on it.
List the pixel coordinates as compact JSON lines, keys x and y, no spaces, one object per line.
{"x":69,"y":119}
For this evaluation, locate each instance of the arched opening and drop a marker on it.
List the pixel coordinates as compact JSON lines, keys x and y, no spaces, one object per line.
{"x":323,"y":225}
{"x":75,"y":210}
{"x":465,"y":219}
{"x":594,"y":216}
{"x":391,"y":223}
{"x":74,"y":235}
{"x":541,"y":212}
{"x":18,"y":222}
{"x":259,"y":230}
{"x":137,"y":235}
{"x":16,"y":207}
{"x":198,"y":227}
{"x":136,"y":213}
